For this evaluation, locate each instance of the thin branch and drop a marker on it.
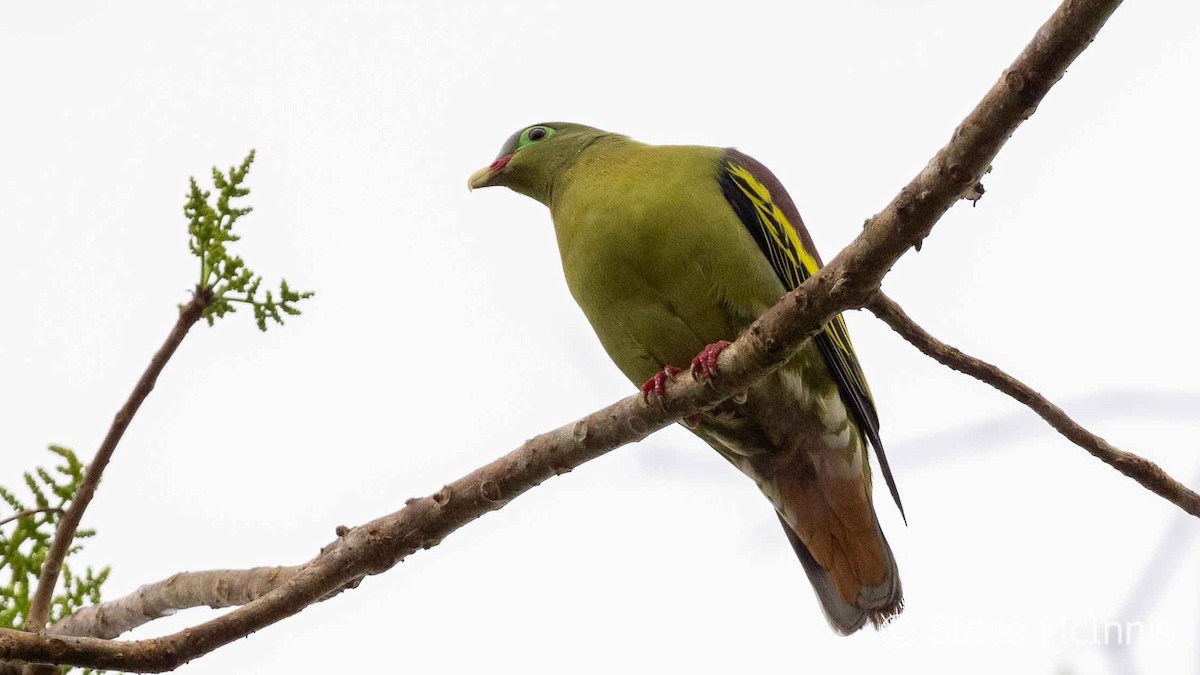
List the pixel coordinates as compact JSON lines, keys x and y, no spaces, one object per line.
{"x":849,"y":281}
{"x":211,"y":588}
{"x":30,"y":512}
{"x":39,"y":607}
{"x":1150,"y":475}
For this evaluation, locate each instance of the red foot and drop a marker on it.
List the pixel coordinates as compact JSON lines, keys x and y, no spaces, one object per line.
{"x":704,"y":366}
{"x":658,"y":384}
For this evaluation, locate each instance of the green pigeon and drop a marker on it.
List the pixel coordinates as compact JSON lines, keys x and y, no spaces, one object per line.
{"x":671,"y":251}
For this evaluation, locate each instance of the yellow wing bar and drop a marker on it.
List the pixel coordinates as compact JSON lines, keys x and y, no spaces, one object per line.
{"x":782,"y":242}
{"x":788,"y":256}
{"x":791,"y":261}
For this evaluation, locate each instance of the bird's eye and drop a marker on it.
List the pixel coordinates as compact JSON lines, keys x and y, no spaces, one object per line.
{"x":532,"y":135}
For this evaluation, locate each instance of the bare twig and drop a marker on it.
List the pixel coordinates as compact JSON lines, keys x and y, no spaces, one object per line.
{"x":211,"y":588}
{"x":39,"y":606}
{"x":849,"y":281}
{"x":30,"y":512}
{"x":1147,"y":473}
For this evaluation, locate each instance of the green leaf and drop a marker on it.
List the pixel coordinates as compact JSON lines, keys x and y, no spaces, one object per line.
{"x":210,"y":228}
{"x":25,"y":542}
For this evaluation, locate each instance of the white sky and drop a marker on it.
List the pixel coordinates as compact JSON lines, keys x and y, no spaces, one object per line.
{"x":443,"y":335}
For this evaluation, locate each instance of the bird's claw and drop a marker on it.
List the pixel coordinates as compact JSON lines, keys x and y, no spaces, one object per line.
{"x":657,"y":385}
{"x":704,"y":366}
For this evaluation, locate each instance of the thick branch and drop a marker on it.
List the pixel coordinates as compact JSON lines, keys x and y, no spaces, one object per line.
{"x":211,"y":588}
{"x":1150,"y":475}
{"x":39,"y":606}
{"x":849,"y":281}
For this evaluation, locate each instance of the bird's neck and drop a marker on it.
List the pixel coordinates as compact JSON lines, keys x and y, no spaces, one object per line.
{"x":562,"y":172}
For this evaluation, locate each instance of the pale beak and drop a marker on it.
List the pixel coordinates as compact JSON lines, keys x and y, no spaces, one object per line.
{"x":483,"y":177}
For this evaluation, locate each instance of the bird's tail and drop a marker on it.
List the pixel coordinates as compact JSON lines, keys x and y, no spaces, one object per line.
{"x":831,"y":523}
{"x":878,"y":603}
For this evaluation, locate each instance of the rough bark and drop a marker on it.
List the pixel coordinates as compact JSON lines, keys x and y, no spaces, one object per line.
{"x":849,"y":281}
{"x":1150,"y":475}
{"x":64,"y":535}
{"x":210,"y":588}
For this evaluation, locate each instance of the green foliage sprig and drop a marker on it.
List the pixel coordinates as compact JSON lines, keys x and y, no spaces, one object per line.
{"x":25,"y":542}
{"x":210,"y":228}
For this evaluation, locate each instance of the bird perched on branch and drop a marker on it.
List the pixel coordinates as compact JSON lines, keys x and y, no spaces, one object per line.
{"x":671,"y":251}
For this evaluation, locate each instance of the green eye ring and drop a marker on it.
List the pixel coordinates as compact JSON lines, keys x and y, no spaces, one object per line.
{"x":534,"y":134}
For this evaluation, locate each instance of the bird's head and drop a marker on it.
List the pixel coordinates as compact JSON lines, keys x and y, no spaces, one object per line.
{"x":533,"y":158}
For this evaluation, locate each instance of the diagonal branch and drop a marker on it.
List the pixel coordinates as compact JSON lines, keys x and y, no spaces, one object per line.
{"x":849,"y":281}
{"x":211,"y":588}
{"x":64,"y":535}
{"x":1150,"y":475}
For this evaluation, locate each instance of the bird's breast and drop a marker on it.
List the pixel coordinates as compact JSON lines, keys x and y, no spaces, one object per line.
{"x":659,"y":264}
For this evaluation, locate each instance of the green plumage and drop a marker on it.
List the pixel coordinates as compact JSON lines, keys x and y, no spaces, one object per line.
{"x":668,"y":249}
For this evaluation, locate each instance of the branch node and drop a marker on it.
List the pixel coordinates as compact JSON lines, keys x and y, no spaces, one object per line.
{"x":442,"y":497}
{"x":490,"y":491}
{"x":580,"y":431}
{"x":958,"y":175}
{"x":1015,"y":81}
